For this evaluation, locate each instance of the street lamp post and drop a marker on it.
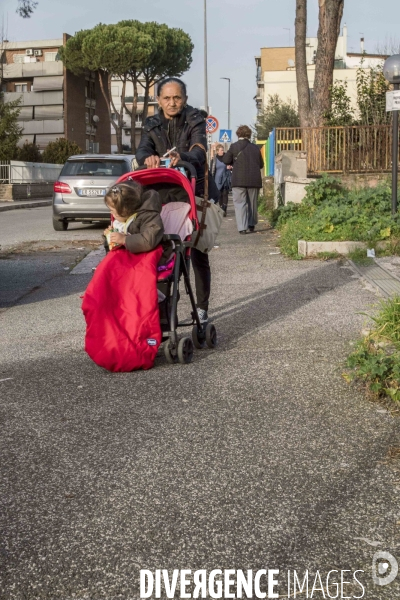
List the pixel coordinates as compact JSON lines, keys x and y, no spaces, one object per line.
{"x":205,"y":59}
{"x":391,"y":71}
{"x":229,"y":101}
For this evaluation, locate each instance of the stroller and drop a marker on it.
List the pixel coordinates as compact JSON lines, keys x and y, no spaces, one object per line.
{"x":166,"y":181}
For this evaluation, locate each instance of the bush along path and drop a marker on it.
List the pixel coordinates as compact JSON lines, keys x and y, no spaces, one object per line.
{"x":331,"y":212}
{"x":376,"y":359}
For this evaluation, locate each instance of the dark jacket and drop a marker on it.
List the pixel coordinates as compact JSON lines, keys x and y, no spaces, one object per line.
{"x":247,"y":164}
{"x":147,"y":229}
{"x":188,"y":128}
{"x":223,"y":182}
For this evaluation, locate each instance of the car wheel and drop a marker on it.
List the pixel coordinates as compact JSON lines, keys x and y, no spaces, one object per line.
{"x":60,"y":225}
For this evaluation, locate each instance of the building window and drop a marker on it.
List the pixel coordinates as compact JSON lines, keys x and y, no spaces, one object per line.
{"x":50,"y":56}
{"x":18,"y":58}
{"x":21,"y":87}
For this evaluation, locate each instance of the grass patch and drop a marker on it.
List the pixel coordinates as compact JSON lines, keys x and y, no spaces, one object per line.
{"x":266,"y":206}
{"x":359,"y":256}
{"x":328,"y":255}
{"x":330,"y":212}
{"x":376,"y":359}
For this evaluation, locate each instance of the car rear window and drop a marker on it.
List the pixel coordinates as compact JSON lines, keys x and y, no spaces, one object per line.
{"x":95,"y":168}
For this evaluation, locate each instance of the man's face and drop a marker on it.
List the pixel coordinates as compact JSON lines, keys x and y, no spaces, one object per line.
{"x":171,"y":100}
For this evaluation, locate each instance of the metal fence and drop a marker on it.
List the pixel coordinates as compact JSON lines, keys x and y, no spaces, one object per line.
{"x":15,"y":171}
{"x":356,"y":149}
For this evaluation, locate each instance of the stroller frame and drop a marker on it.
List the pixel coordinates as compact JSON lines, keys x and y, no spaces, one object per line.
{"x":176,"y":349}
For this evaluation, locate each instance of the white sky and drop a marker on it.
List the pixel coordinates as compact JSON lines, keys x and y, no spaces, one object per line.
{"x":237,"y":29}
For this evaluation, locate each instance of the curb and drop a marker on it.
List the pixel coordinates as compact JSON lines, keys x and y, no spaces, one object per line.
{"x":19,"y":204}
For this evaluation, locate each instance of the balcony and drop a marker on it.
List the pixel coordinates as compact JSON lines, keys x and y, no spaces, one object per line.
{"x":38,"y":69}
{"x":47,"y":126}
{"x":36,"y":98}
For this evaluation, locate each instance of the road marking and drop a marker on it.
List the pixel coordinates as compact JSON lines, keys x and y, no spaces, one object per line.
{"x":7,"y":379}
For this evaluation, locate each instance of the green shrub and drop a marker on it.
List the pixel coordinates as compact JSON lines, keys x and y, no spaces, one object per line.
{"x":330,"y":212}
{"x":59,"y":151}
{"x":29,"y":153}
{"x":376,"y":359}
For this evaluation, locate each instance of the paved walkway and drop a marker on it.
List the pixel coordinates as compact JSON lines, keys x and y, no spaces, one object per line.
{"x":257,"y":455}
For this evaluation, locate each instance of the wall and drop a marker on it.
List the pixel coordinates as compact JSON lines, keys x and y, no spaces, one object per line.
{"x":10,"y":192}
{"x":276,"y":59}
{"x":283,"y":83}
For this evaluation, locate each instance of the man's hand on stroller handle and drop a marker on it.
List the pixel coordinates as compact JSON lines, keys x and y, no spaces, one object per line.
{"x":152,"y":162}
{"x":175,"y":158}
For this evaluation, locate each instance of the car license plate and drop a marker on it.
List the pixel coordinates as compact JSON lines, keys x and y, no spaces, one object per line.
{"x":92,"y":192}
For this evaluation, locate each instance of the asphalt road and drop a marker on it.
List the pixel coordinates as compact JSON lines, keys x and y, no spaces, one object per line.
{"x":257,"y":455}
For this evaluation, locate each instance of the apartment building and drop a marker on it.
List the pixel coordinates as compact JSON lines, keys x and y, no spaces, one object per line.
{"x":276,"y":69}
{"x":116,"y":92}
{"x":54,"y":102}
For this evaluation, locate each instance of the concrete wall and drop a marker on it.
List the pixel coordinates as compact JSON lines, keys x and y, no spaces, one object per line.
{"x":24,"y":191}
{"x":289,"y":163}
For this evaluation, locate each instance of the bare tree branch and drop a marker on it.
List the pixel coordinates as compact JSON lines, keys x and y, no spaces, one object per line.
{"x":25,"y":8}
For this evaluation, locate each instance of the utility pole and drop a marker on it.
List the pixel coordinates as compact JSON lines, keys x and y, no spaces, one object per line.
{"x":229,"y":100}
{"x":205,"y":59}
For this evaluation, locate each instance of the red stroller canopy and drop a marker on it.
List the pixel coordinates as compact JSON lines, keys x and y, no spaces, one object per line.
{"x":165,"y":175}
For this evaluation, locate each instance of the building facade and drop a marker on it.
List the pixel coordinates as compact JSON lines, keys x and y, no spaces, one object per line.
{"x":54,"y":102}
{"x":276,"y":69}
{"x":116,"y":95}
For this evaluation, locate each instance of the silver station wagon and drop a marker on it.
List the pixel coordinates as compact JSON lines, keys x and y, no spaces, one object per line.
{"x":78,"y":195}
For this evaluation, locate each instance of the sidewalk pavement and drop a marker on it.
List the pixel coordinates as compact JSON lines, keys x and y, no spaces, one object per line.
{"x":257,"y":453}
{"x":31,"y":203}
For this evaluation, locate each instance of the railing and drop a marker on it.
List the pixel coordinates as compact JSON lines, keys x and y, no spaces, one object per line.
{"x":356,"y":149}
{"x":15,"y":171}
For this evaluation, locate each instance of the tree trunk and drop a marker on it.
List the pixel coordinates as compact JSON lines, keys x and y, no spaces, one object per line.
{"x":132,"y":113}
{"x":109,"y":103}
{"x":303,"y":91}
{"x":146,"y":100}
{"x":330,"y":16}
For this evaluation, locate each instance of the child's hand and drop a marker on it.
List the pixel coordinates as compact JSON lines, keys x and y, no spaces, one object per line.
{"x":107,"y":229}
{"x":117,"y":238}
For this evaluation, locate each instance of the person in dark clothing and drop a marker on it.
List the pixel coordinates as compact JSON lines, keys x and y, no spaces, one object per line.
{"x":222,"y":176}
{"x":179,"y":126}
{"x":246,"y":179}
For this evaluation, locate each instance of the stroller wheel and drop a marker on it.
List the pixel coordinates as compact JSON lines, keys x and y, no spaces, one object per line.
{"x":170,"y":355}
{"x":199,"y":339}
{"x":211,"y":336}
{"x":185,"y":351}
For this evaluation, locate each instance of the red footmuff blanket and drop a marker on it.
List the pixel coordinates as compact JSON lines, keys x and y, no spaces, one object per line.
{"x":120,"y":305}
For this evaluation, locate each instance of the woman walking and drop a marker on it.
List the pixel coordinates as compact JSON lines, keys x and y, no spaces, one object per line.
{"x":246,"y":179}
{"x":222,"y":176}
{"x":179,"y":126}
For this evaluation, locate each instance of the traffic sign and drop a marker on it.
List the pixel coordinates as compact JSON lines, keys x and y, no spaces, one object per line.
{"x":225,"y":135}
{"x":393,"y":101}
{"x":211,"y":124}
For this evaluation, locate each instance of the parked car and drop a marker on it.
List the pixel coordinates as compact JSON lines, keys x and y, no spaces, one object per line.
{"x":78,"y":195}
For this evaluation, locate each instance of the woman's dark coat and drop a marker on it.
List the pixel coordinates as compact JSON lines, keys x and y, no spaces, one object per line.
{"x":182,"y":132}
{"x":247,"y":164}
